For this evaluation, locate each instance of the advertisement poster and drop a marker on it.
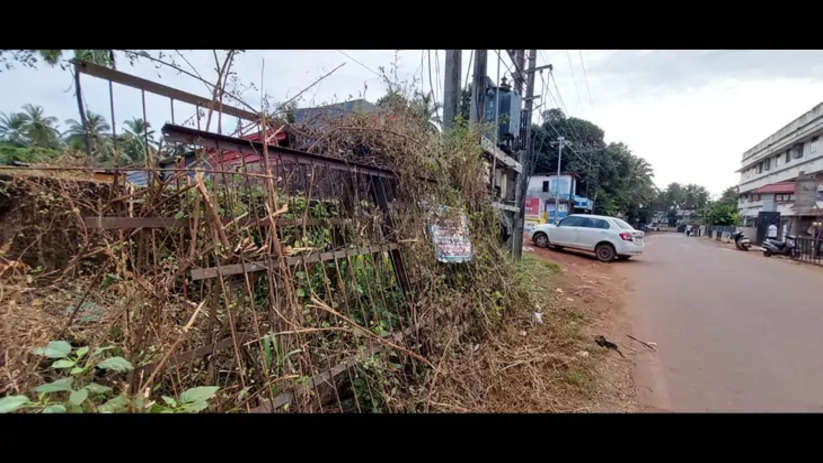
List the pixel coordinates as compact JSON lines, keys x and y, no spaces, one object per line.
{"x":450,"y":234}
{"x":561,"y":187}
{"x":564,"y":211}
{"x":532,"y":207}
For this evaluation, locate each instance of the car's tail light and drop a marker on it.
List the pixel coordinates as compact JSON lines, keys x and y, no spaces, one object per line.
{"x":627,"y":237}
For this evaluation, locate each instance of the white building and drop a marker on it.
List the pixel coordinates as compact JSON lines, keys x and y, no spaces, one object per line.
{"x":542,"y":192}
{"x":769,"y":171}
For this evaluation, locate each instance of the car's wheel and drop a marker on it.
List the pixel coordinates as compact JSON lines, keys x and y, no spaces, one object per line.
{"x":624,"y":257}
{"x":767,"y":253}
{"x":605,"y":252}
{"x":541,"y":240}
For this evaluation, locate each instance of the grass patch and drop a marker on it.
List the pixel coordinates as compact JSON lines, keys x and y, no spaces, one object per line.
{"x":10,"y":153}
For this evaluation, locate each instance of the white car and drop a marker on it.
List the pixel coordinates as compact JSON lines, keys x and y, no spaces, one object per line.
{"x":610,"y":238}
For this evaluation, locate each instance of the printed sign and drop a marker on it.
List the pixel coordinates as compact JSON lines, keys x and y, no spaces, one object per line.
{"x":532,"y":207}
{"x":530,"y":223}
{"x":450,"y":234}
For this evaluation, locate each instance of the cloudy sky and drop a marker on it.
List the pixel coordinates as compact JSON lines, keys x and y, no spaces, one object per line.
{"x":691,"y":114}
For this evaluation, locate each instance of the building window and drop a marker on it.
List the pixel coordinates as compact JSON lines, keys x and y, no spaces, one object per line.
{"x":813,"y":145}
{"x":755,"y":197}
{"x":758,"y":168}
{"x":767,"y":163}
{"x":545,"y":187}
{"x":788,"y":156}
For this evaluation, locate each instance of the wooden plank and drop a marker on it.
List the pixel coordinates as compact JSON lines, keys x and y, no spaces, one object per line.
{"x":108,"y":223}
{"x":196,"y":353}
{"x":159,"y":89}
{"x":503,"y":158}
{"x":257,"y":266}
{"x":505,"y":207}
{"x":287,"y":396}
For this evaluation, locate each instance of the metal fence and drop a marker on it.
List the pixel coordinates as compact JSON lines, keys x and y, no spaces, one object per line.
{"x":713,"y":230}
{"x":806,"y":251}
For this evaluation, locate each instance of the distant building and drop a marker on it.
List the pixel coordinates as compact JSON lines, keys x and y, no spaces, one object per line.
{"x":303,"y":115}
{"x":541,"y":194}
{"x":784,"y":174}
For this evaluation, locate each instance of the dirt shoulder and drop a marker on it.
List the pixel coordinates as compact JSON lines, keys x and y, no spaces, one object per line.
{"x":598,"y":292}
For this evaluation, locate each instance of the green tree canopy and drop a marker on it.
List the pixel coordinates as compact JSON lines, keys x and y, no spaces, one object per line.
{"x":619,"y":182}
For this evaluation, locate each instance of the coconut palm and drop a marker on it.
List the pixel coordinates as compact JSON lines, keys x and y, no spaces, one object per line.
{"x":11,"y":128}
{"x":136,"y":131}
{"x":39,"y":130}
{"x":96,"y":129}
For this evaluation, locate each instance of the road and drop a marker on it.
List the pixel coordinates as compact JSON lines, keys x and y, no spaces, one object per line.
{"x":736,"y":332}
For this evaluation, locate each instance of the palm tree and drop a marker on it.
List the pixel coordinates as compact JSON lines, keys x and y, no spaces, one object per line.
{"x":96,"y":129}
{"x":11,"y":128}
{"x":40,"y":130}
{"x":136,"y":132}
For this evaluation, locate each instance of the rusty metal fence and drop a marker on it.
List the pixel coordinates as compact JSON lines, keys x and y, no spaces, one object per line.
{"x":295,"y":261}
{"x":806,"y":251}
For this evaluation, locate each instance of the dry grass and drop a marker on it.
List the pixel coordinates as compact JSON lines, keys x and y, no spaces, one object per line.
{"x":523,"y":366}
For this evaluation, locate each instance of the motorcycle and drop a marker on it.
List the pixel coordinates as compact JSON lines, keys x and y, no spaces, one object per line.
{"x":788,"y":247}
{"x":741,"y":242}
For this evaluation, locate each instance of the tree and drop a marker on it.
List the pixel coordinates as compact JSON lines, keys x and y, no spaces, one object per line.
{"x":39,"y":130}
{"x":100,"y":57}
{"x":724,"y":210}
{"x":421,"y":105}
{"x":135,"y":133}
{"x":618,"y":182}
{"x":96,"y":130}
{"x":11,"y":128}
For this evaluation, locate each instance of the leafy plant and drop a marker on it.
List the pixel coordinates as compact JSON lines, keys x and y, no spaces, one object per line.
{"x":76,"y":392}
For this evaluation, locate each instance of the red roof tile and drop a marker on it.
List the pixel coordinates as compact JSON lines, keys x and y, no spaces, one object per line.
{"x":777,"y":188}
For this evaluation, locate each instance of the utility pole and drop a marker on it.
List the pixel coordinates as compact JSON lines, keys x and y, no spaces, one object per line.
{"x":451,"y":89}
{"x":478,"y":86}
{"x":519,"y":62}
{"x":522,"y":180}
{"x":561,"y":140}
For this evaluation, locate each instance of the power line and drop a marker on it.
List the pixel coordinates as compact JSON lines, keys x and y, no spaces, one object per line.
{"x":574,"y":79}
{"x":585,"y":77}
{"x":563,"y":104}
{"x":358,"y":62}
{"x":500,"y":59}
{"x":557,"y":90}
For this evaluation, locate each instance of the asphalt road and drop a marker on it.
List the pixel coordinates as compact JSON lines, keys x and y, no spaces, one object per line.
{"x":735,"y":331}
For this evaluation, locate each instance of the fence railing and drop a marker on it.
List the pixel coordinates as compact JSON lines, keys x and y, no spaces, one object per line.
{"x":806,"y":251}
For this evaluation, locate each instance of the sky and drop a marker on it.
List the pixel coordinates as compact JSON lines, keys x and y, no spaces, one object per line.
{"x":691,"y":114}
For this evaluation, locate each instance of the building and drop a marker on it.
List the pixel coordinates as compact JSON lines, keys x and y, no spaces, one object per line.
{"x":303,"y":115}
{"x":542,"y":192}
{"x":775,"y":172}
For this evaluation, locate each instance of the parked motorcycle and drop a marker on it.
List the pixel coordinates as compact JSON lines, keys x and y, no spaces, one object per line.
{"x":741,"y":242}
{"x":788,"y":247}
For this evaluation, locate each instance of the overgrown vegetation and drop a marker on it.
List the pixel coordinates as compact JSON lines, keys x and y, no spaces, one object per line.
{"x":284,"y":325}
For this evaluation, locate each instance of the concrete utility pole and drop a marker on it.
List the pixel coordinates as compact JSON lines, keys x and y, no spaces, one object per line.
{"x":519,"y":62}
{"x":451,"y":89}
{"x":478,"y":85}
{"x":522,"y":180}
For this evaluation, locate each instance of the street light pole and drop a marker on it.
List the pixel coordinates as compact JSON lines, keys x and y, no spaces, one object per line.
{"x":560,"y":141}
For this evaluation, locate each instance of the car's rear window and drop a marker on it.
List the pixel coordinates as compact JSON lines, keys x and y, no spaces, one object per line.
{"x":622,"y":224}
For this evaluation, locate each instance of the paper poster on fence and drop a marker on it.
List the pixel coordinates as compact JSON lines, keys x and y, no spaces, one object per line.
{"x":451,"y":237}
